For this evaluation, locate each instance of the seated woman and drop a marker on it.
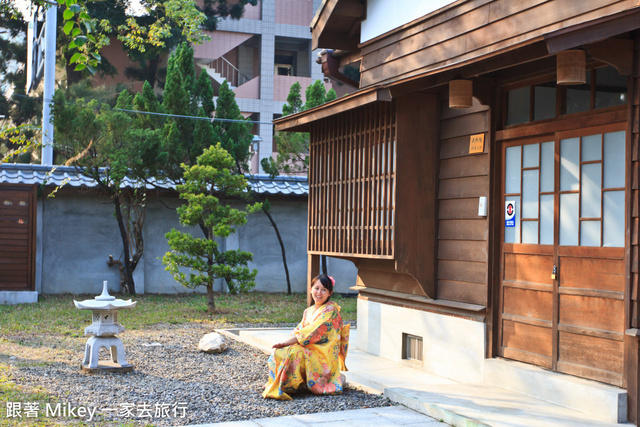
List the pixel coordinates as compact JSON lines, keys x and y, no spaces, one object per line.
{"x":314,"y":354}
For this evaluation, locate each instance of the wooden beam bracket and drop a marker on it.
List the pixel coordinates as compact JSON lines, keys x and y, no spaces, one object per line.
{"x":616,"y":52}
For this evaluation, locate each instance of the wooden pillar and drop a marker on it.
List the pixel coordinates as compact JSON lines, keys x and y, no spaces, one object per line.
{"x":632,"y":350}
{"x":313,"y":269}
{"x":417,"y":131}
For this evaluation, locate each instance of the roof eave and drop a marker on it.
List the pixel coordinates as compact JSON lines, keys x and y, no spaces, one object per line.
{"x":301,"y":122}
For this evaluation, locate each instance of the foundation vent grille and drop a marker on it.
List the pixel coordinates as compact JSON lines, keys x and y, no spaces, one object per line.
{"x":411,"y":347}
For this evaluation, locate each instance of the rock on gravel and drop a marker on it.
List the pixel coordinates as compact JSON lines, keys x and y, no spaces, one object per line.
{"x":173,"y":383}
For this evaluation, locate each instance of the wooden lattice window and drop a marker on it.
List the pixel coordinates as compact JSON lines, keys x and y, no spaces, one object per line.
{"x":352,"y":183}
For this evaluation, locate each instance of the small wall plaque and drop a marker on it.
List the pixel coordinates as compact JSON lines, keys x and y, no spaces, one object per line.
{"x":476,"y":144}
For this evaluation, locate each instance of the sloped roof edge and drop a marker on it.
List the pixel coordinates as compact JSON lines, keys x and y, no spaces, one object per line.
{"x":301,"y":122}
{"x":54,"y":176}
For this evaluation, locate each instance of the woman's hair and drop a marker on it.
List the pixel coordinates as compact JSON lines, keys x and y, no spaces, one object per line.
{"x":326,"y":281}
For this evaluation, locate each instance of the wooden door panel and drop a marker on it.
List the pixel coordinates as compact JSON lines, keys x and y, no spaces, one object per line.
{"x":527,"y":343}
{"x":10,"y":275}
{"x":14,"y":233}
{"x":596,"y":358}
{"x":528,"y":303}
{"x":589,"y":273}
{"x":11,"y":244}
{"x":15,"y":236}
{"x":12,"y":278}
{"x":592,"y":312}
{"x":15,"y":252}
{"x":528,"y":268}
{"x":17,"y":231}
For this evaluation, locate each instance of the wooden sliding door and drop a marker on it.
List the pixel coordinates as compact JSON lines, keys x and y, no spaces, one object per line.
{"x":562,"y":252}
{"x":17,"y":237}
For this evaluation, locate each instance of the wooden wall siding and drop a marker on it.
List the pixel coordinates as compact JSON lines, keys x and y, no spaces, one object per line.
{"x":17,"y":225}
{"x":462,"y":257}
{"x":631,"y":343}
{"x":352,"y":183}
{"x":634,"y":309}
{"x":472,"y":29}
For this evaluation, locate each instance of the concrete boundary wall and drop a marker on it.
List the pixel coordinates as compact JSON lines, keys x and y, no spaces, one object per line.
{"x":77,"y":232}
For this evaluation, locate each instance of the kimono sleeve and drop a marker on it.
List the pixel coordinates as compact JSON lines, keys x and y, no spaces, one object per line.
{"x":317,"y":330}
{"x":344,"y":345}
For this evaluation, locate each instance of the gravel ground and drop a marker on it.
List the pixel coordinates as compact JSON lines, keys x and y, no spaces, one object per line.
{"x":172,"y":383}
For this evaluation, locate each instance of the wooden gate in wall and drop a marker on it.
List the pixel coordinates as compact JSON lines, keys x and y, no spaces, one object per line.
{"x":17,"y":237}
{"x":562,"y":284}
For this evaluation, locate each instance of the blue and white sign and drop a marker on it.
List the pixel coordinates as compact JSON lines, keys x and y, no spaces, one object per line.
{"x":510,"y":213}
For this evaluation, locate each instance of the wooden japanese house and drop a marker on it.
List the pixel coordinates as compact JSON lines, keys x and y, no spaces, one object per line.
{"x":506,"y":230}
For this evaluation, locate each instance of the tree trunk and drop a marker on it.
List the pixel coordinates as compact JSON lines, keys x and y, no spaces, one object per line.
{"x":152,"y":69}
{"x":284,"y":255}
{"x":128,"y":270}
{"x":211,"y":303}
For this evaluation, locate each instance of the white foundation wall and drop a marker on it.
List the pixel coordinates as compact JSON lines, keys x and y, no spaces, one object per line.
{"x":452,"y":347}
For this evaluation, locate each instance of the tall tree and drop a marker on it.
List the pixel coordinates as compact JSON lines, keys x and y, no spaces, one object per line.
{"x":147,"y":101}
{"x":314,"y":95}
{"x":293,"y":147}
{"x":331,"y":95}
{"x":21,"y":112}
{"x":236,"y":139}
{"x":108,"y":144}
{"x":294,"y":100}
{"x":179,"y":99}
{"x":234,"y":135}
{"x":206,"y":186}
{"x":108,"y":147}
{"x":13,"y":47}
{"x":158,"y":21}
{"x":204,"y":94}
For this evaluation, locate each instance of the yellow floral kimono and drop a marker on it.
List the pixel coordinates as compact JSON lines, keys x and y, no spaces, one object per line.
{"x":315,"y":362}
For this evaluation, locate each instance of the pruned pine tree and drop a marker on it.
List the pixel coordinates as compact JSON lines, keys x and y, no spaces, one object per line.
{"x":199,"y":261}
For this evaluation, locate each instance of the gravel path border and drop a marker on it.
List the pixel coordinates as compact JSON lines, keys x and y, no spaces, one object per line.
{"x":172,"y":383}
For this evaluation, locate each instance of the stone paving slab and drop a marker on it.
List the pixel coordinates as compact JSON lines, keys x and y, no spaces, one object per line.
{"x":387,"y":416}
{"x":455,"y":403}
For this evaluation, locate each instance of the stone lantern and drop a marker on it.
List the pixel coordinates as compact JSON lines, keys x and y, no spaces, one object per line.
{"x":103,"y":332}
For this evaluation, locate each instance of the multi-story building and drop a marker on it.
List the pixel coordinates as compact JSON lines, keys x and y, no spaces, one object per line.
{"x":261,"y":55}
